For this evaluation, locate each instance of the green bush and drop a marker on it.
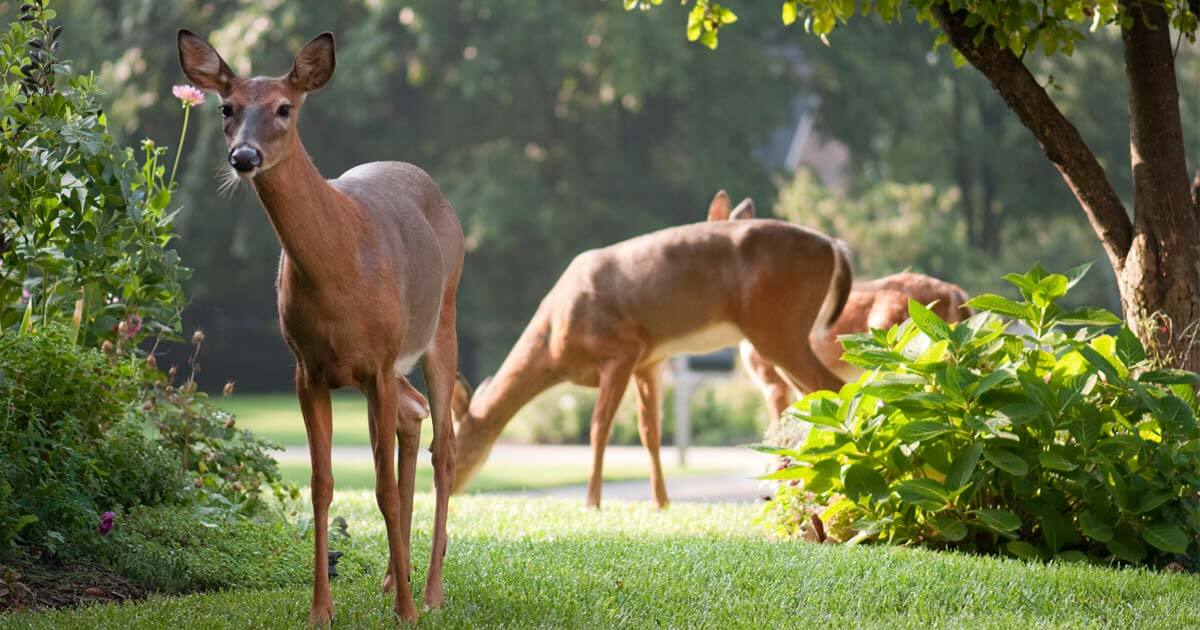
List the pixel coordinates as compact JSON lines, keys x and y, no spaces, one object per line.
{"x":84,"y":227}
{"x":71,"y":443}
{"x":1065,"y":442}
{"x":230,"y":468}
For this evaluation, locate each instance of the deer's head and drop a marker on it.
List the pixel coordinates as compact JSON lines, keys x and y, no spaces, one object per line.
{"x":259,"y":113}
{"x":474,"y":440}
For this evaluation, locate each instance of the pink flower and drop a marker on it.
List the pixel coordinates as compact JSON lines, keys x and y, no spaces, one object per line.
{"x":189,"y":95}
{"x":106,"y":523}
{"x":133,"y":325}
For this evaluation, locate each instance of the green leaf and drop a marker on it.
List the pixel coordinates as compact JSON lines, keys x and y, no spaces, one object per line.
{"x":923,"y":493}
{"x":1023,"y":550}
{"x":928,"y":321}
{"x":1175,"y":415}
{"x":1000,"y":306}
{"x":1055,"y":530}
{"x":1170,"y":377}
{"x":1129,"y":550}
{"x":1007,"y":461}
{"x":964,"y":466}
{"x":949,"y":527}
{"x":890,"y":386}
{"x":1100,"y":363}
{"x":1094,"y":528}
{"x":999,"y":520}
{"x":920,"y":430}
{"x":789,"y":12}
{"x":1129,"y":347}
{"x":1089,"y":316}
{"x":1075,"y":274}
{"x":791,"y":472}
{"x":862,"y":479}
{"x":1167,"y":537}
{"x":1054,"y":461}
{"x":995,"y":379}
{"x":1152,"y":500}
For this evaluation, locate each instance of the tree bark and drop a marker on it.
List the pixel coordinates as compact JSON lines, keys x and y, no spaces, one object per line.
{"x":1160,"y":280}
{"x":1156,"y":256}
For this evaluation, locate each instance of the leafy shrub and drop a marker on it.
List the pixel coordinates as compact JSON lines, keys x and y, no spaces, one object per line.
{"x":71,"y":443}
{"x":84,"y":227}
{"x":231,"y":468}
{"x":1048,"y":444}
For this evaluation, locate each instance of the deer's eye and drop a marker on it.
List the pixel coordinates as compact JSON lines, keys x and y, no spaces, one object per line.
{"x":284,"y":110}
{"x":226,"y":110}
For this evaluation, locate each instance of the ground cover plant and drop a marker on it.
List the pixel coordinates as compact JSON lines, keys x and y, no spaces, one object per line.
{"x":517,"y":562}
{"x":1069,"y":441}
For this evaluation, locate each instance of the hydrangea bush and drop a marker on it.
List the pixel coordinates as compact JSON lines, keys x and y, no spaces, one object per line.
{"x":1061,"y":438}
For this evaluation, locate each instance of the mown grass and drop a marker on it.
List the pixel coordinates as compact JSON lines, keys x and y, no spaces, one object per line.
{"x":493,"y":477}
{"x":517,"y":562}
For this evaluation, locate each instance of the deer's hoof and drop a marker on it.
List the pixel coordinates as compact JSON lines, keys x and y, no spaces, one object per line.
{"x":320,"y":615}
{"x":406,"y":612}
{"x":434,"y":596}
{"x":388,"y":584}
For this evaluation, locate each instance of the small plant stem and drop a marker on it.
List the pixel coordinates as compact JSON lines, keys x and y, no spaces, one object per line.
{"x":187,"y":110}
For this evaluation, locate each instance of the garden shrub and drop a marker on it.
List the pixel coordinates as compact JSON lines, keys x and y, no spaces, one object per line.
{"x":84,"y":227}
{"x":71,"y":443}
{"x":1065,"y":442}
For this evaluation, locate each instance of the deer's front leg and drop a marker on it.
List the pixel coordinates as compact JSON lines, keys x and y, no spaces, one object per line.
{"x":318,"y":423}
{"x":614,"y":378}
{"x":649,"y":393}
{"x":440,"y":371}
{"x":382,"y":395}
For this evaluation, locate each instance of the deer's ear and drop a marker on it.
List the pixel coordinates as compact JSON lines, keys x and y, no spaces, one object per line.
{"x":718,"y":210}
{"x":314,"y":64}
{"x":744,"y":210}
{"x":202,"y":65}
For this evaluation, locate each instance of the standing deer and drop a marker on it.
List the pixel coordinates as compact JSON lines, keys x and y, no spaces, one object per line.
{"x":871,"y":304}
{"x":622,"y":310}
{"x":367,"y":279}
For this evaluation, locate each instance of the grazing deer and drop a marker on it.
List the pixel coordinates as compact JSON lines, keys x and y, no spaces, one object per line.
{"x":622,"y":310}
{"x":871,"y":304}
{"x":367,"y":279}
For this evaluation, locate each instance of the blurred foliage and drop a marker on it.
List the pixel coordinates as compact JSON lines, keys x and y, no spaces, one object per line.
{"x":84,"y":227}
{"x":552,"y":128}
{"x":893,"y":226}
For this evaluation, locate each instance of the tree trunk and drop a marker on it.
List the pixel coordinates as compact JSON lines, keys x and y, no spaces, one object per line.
{"x":1160,"y":280}
{"x":963,"y":171}
{"x":1156,"y":256}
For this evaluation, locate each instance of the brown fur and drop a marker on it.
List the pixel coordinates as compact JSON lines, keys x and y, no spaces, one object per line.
{"x":618,"y":312}
{"x":370,"y":266}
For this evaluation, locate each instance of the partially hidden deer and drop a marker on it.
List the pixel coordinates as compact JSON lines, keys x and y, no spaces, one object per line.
{"x":620,"y":311}
{"x":872,"y":304}
{"x":367,"y":278}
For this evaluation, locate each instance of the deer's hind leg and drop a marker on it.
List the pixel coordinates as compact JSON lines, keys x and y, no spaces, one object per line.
{"x":411,"y":409}
{"x":649,"y":394}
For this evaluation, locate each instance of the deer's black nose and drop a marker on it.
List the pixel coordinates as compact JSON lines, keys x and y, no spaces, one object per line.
{"x":245,"y":158}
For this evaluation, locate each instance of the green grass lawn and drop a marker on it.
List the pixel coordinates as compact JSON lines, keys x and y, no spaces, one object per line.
{"x":277,"y":417}
{"x":516,"y":562}
{"x":360,"y":475}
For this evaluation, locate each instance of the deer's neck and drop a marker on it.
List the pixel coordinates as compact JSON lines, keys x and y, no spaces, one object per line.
{"x":524,"y":374}
{"x":317,"y":226}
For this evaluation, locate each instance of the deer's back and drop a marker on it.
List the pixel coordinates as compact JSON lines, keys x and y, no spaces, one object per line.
{"x":679,"y":281}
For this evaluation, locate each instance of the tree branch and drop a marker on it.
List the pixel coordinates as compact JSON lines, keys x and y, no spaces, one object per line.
{"x":1059,"y":139}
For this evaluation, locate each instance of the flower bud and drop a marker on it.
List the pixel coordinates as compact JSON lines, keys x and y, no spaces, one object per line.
{"x":199,"y":482}
{"x":229,"y":423}
{"x":198,"y":337}
{"x":151,"y":362}
{"x":148,"y":405}
{"x":106,"y":347}
{"x":228,"y":389}
{"x":123,"y":328}
{"x":172,"y":372}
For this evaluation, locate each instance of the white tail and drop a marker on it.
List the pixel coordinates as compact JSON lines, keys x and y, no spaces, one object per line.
{"x":367,"y":281}
{"x":620,"y":311}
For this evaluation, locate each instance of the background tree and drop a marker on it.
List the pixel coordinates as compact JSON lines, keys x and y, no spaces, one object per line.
{"x":1155,"y":253}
